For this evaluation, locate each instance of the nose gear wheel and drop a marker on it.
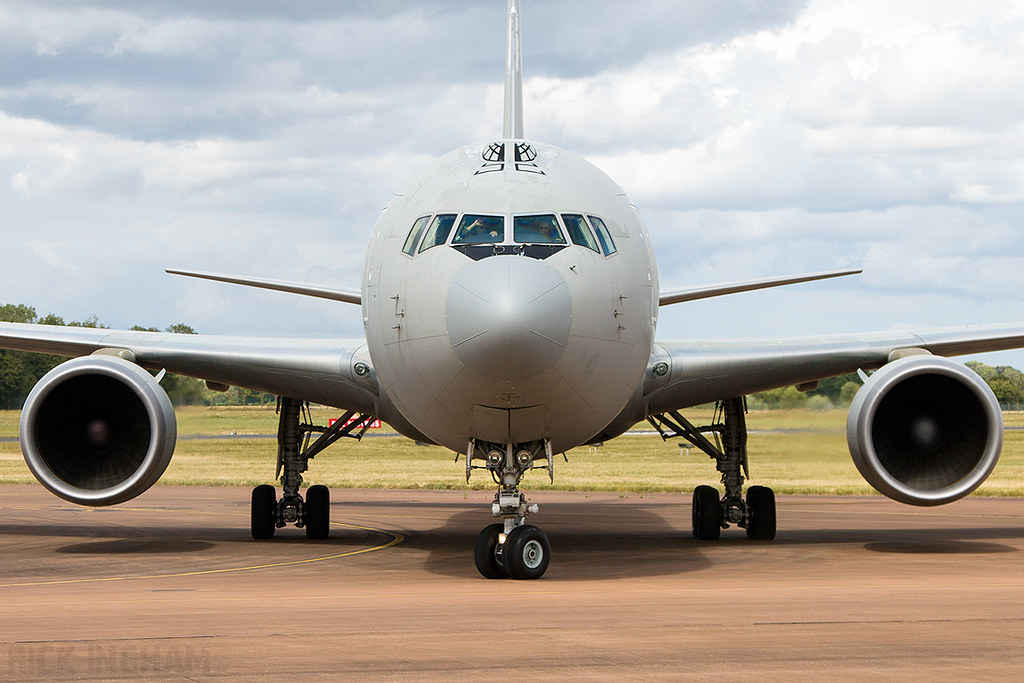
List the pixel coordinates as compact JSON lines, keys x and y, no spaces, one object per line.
{"x":526,"y":553}
{"x":487,"y":554}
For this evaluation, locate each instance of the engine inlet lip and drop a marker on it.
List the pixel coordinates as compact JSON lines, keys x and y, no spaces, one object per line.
{"x":859,"y":432}
{"x":162,"y":436}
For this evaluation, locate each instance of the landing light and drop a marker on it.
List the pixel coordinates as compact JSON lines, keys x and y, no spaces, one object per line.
{"x":524,"y":458}
{"x":494,"y":458}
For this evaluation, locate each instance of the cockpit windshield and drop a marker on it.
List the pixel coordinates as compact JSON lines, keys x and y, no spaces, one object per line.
{"x":579,"y":231}
{"x":603,"y":235}
{"x":537,"y":236}
{"x":438,"y":231}
{"x":414,"y":235}
{"x":542,"y":229}
{"x":477,"y":229}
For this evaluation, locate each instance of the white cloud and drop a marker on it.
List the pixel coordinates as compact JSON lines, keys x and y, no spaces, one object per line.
{"x":872,"y":133}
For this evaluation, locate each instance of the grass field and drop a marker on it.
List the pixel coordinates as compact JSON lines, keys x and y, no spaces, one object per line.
{"x":799,"y":452}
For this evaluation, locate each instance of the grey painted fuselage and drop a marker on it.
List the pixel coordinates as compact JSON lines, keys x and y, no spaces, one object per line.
{"x":509,"y":348}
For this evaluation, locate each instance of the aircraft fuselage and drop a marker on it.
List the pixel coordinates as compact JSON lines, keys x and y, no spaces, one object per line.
{"x":509,"y":295}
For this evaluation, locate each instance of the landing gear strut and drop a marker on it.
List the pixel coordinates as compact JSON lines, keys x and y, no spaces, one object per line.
{"x":511,"y":548}
{"x":294,"y":452}
{"x":710,"y":513}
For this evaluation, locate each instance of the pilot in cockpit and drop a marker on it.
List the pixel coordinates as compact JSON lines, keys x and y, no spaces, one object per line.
{"x":479,"y":231}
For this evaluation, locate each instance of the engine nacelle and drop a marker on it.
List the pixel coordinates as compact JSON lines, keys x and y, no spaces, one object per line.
{"x":98,"y":430}
{"x":925,"y":430}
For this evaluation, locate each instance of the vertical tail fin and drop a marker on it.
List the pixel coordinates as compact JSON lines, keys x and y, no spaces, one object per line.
{"x":513,"y":128}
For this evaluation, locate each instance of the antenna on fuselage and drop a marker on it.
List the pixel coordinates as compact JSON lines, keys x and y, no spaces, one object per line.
{"x":513,"y":128}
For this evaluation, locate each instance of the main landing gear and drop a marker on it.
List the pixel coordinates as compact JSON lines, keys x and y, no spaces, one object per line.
{"x":294,"y":451}
{"x":710,"y":513}
{"x":511,"y":548}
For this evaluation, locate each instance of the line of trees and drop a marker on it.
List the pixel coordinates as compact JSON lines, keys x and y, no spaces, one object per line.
{"x":20,"y":370}
{"x":830,"y":393}
{"x":1007,"y":384}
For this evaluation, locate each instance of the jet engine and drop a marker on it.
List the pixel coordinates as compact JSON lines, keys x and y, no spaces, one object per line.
{"x":925,"y":430}
{"x":98,"y":430}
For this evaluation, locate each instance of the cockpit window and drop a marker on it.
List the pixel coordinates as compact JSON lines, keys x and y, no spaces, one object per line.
{"x":579,"y":231}
{"x":414,"y":235}
{"x":438,"y":231}
{"x":476,"y":229}
{"x":541,"y":229}
{"x":603,"y":236}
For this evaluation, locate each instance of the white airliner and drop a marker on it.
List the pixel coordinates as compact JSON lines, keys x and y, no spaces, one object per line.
{"x":510,"y":298}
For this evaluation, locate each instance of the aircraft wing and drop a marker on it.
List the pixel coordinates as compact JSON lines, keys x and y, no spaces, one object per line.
{"x":318,"y":370}
{"x":704,"y":371}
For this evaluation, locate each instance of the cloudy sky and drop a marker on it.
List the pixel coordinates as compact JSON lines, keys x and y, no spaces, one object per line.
{"x":758,"y":138}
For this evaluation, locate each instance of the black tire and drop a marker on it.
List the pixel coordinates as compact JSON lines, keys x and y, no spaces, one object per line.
{"x":264,"y":512}
{"x":706,"y":513}
{"x":526,"y":553}
{"x":487,"y":562}
{"x":317,"y":512}
{"x":761,"y":513}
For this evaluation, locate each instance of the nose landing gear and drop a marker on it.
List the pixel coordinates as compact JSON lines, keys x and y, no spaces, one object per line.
{"x":511,"y":548}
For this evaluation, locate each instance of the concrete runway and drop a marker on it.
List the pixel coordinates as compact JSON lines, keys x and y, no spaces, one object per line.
{"x":170,"y":587}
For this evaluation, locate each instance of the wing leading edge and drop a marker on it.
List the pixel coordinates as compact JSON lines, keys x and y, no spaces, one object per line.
{"x":677,"y":296}
{"x":343,"y":295}
{"x":704,"y":371}
{"x":318,"y":370}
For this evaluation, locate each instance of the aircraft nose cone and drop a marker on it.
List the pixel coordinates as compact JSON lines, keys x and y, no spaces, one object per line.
{"x":509,"y":317}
